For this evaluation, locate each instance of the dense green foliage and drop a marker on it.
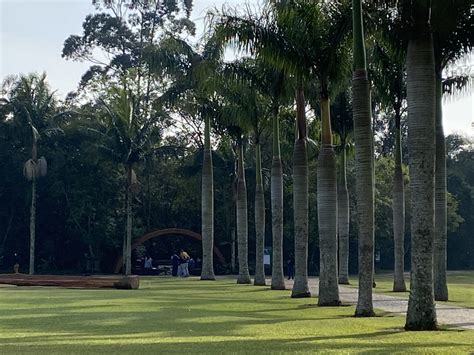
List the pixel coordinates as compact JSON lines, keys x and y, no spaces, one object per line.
{"x":145,"y":106}
{"x":81,"y":203}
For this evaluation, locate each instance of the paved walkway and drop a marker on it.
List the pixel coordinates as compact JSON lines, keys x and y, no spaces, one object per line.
{"x":449,"y":315}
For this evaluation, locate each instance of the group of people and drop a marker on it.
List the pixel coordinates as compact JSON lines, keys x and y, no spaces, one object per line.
{"x":182,"y":263}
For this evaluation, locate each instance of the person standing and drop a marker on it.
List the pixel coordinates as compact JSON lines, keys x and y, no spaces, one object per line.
{"x":16,"y":263}
{"x":148,"y":264}
{"x":174,"y":264}
{"x":184,"y":263}
{"x":290,"y":265}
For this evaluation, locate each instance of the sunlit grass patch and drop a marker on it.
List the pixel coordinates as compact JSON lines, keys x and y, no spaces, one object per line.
{"x":176,"y":315}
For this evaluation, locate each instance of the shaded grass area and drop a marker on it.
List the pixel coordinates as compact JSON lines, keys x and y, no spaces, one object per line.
{"x":460,"y":287}
{"x":188,"y":315}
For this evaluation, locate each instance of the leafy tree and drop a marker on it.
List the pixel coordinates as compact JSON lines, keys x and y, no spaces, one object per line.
{"x":126,"y":137}
{"x":124,"y":32}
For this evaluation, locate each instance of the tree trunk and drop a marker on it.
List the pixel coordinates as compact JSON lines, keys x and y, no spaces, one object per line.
{"x":34,"y":158}
{"x":128,"y":239}
{"x":421,"y":91}
{"x":364,"y":167}
{"x":398,"y":213}
{"x":259,"y":279}
{"x":440,"y":241}
{"x":343,"y":221}
{"x":278,"y":282}
{"x":300,"y":201}
{"x":207,"y":208}
{"x":327,"y":213}
{"x":232,"y":250}
{"x":242,"y":221}
{"x":148,"y":201}
{"x":32,"y":226}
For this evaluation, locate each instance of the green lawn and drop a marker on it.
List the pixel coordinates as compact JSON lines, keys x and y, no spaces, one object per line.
{"x":460,"y":286}
{"x":188,"y":315}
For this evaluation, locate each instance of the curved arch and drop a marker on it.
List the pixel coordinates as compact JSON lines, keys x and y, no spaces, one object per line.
{"x":162,"y":232}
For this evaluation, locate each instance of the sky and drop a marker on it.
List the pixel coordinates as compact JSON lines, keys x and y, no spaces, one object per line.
{"x":32,"y":33}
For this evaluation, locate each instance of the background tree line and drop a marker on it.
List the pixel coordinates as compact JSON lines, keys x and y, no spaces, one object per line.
{"x":81,"y":207}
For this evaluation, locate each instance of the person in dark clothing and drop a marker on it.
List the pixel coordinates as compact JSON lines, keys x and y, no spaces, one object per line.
{"x":191,"y":266}
{"x":175,"y":263}
{"x":290,"y":266}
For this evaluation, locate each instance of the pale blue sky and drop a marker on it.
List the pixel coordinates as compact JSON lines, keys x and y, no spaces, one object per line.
{"x":32,"y":33}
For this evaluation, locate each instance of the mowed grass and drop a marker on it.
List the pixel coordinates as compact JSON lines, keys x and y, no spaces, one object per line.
{"x":189,"y":316}
{"x":460,"y":287}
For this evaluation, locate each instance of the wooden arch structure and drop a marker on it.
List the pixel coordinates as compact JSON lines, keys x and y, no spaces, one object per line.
{"x":163,"y":232}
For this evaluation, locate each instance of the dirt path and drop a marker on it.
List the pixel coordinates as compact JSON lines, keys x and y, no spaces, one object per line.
{"x":449,"y":315}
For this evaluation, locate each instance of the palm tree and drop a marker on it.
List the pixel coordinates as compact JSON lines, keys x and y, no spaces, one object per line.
{"x":269,"y":42}
{"x":270,"y":83}
{"x":390,"y":86}
{"x":364,"y":165}
{"x":421,"y":92}
{"x":278,"y":282}
{"x":242,"y":216}
{"x":300,"y":198}
{"x":277,"y":92}
{"x":331,"y":70}
{"x":34,"y":110}
{"x":236,"y":129}
{"x":299,"y":66}
{"x":252,"y":108}
{"x":341,"y":115}
{"x":125,"y":137}
{"x":207,"y":206}
{"x":330,"y":21}
{"x":452,"y":28}
{"x":190,"y":72}
{"x":280,"y":37}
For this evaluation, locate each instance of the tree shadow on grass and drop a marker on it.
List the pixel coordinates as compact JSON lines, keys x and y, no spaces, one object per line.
{"x":234,"y":345}
{"x":177,"y":317}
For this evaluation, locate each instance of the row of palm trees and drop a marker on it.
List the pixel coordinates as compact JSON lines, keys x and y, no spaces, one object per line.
{"x":307,"y":41}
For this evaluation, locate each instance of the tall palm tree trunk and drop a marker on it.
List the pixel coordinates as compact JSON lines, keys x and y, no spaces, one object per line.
{"x":343,"y":220}
{"x":421,"y":91}
{"x":242,"y":220}
{"x":440,"y":241}
{"x":300,"y":201}
{"x":34,"y":158}
{"x":128,"y":239}
{"x":327,"y":213}
{"x":278,"y":282}
{"x":207,"y":207}
{"x":364,"y":167}
{"x":398,"y":208}
{"x":32,"y":226}
{"x":259,"y":220}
